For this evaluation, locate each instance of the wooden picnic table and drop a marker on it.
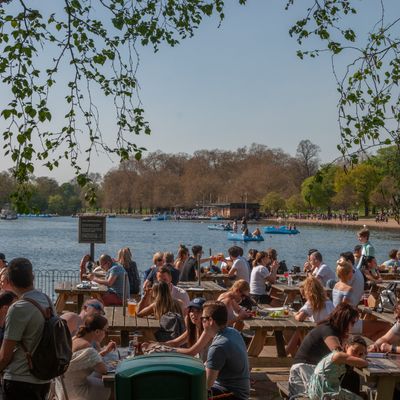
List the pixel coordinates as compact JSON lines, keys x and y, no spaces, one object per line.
{"x":289,"y":293}
{"x":125,"y":324}
{"x":69,"y":290}
{"x":208,"y":289}
{"x":385,"y":372}
{"x":384,"y":315}
{"x":262,"y":325}
{"x":225,"y":278}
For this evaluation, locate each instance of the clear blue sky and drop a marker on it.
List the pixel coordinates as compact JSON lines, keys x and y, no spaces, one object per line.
{"x":229,"y":87}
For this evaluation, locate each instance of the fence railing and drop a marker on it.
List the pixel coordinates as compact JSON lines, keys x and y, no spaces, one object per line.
{"x":46,"y":278}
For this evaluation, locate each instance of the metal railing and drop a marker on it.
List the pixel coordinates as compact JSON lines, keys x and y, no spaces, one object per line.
{"x":45,"y":279}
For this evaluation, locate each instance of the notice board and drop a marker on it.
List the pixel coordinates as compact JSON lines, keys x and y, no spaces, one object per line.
{"x":92,"y":229}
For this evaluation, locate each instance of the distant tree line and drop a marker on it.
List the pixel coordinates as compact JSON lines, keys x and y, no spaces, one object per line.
{"x":278,"y":181}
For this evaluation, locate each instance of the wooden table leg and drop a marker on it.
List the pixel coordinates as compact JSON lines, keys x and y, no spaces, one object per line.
{"x":257,"y":343}
{"x":60,"y":302}
{"x":385,"y":387}
{"x":124,"y":338}
{"x":280,"y":343}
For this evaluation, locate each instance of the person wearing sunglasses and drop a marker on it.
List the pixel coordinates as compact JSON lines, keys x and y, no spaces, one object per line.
{"x":227,"y":367}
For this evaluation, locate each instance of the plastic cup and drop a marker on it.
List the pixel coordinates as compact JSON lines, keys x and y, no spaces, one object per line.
{"x":365,"y":300}
{"x":132,"y":307}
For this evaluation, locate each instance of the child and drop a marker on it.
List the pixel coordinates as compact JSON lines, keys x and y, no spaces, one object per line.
{"x":326,"y":378}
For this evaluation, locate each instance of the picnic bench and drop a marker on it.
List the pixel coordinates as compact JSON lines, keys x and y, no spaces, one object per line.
{"x":207,"y":289}
{"x":124,"y":324}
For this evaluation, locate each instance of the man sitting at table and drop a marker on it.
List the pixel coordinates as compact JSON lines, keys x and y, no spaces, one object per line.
{"x":114,"y":280}
{"x":164,"y":275}
{"x":227,"y":367}
{"x":389,"y":342}
{"x":75,"y":321}
{"x":190,"y":268}
{"x":321,"y":271}
{"x":240,"y":267}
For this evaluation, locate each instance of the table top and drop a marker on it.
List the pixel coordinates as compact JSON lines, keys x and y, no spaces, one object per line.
{"x":205,"y":286}
{"x":116,"y":320}
{"x":384,"y":315}
{"x":71,"y":287}
{"x":282,"y":287}
{"x":279,"y":323}
{"x":385,"y":366}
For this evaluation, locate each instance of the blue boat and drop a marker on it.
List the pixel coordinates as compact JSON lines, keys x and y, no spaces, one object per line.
{"x":244,"y":238}
{"x":216,"y":218}
{"x":220,"y":227}
{"x":281,"y":230}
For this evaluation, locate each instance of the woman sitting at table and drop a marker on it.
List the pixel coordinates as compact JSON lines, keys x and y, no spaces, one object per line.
{"x":86,"y":266}
{"x":327,"y":336}
{"x":262,"y":271}
{"x":317,"y":308}
{"x":369,"y":268}
{"x":125,"y":259}
{"x":194,"y":338}
{"x":231,"y":298}
{"x":343,"y":292}
{"x":82,"y":381}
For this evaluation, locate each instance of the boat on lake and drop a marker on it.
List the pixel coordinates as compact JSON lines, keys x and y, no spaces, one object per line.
{"x":281,"y":230}
{"x":244,"y":238}
{"x":146,"y":219}
{"x":220,"y":227}
{"x":7,"y":213}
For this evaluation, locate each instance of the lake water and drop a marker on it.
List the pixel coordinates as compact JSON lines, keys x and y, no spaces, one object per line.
{"x":52,"y":243}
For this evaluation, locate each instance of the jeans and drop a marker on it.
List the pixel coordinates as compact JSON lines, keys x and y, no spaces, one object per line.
{"x":15,"y":390}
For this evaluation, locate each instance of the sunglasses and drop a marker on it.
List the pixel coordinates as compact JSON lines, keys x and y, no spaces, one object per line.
{"x":97,"y":307}
{"x":204,"y":319}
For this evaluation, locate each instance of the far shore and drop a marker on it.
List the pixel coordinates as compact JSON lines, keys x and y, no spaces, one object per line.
{"x":370,"y":223}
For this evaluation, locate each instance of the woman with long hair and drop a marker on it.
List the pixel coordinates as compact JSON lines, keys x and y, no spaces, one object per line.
{"x":157,"y":301}
{"x":183,"y":255}
{"x":194,"y":338}
{"x":79,"y":382}
{"x":259,"y":275}
{"x":232,"y":298}
{"x":327,"y":336}
{"x":125,"y":259}
{"x":317,"y":308}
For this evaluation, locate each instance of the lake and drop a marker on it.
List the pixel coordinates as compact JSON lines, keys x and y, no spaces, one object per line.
{"x":52,"y":243}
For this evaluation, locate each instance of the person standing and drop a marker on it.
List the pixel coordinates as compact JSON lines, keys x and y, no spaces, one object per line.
{"x":367,"y":250}
{"x":24,"y":323}
{"x":240,"y":268}
{"x":227,"y":367}
{"x":189,"y":271}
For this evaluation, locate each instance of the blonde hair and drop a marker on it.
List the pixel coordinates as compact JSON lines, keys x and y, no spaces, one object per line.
{"x":241,"y":285}
{"x":343,"y":268}
{"x":314,"y":293}
{"x":157,"y":255}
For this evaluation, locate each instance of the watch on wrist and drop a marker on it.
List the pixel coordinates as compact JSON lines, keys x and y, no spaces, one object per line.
{"x":394,"y":348}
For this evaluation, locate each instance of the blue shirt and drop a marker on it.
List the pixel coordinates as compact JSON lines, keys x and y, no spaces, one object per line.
{"x":228,"y":355}
{"x":118,"y":286}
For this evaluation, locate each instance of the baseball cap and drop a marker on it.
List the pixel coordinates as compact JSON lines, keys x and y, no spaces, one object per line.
{"x":197,"y":302}
{"x":3,"y":257}
{"x":96,"y":305}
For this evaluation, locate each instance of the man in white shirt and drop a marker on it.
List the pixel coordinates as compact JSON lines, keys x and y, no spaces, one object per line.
{"x":240,"y":267}
{"x":320,"y":270}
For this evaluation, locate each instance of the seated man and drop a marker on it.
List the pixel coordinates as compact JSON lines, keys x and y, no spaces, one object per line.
{"x":114,"y":279}
{"x":227,"y":367}
{"x":240,"y":268}
{"x":390,"y":341}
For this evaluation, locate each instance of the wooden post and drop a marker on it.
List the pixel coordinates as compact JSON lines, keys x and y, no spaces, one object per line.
{"x":92,"y":251}
{"x":198,"y":270}
{"x":124,"y":295}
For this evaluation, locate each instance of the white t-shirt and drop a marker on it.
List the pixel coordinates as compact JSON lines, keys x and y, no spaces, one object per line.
{"x":324,"y":273}
{"x":180,"y":294}
{"x":242,"y":269}
{"x":257,"y":279}
{"x":317,"y":316}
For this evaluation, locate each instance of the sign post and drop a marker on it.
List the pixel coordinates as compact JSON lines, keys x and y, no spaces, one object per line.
{"x":92,"y":229}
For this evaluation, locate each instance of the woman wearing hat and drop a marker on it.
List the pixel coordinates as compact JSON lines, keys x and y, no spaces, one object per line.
{"x":195,"y":339}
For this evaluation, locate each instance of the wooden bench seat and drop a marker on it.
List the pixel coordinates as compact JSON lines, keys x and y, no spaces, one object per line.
{"x":283,"y":387}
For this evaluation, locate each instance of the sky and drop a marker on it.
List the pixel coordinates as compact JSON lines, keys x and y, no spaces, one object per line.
{"x":229,"y":87}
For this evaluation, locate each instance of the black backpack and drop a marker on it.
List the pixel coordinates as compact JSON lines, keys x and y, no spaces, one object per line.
{"x":52,"y":355}
{"x":171,"y":326}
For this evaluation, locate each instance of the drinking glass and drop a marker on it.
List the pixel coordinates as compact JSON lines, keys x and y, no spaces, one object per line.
{"x":132,"y":307}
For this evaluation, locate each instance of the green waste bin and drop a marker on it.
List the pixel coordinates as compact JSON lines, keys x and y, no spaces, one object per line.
{"x":161,"y":376}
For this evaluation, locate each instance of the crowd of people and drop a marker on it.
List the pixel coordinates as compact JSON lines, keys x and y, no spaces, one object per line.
{"x":210,"y":330}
